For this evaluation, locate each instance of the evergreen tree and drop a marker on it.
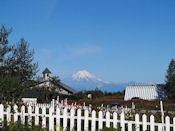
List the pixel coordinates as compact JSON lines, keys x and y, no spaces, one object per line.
{"x":20,"y":62}
{"x":4,"y":52}
{"x":17,"y":68}
{"x":4,"y":48}
{"x":170,"y":79}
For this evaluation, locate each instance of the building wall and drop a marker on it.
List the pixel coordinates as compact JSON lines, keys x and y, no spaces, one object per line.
{"x":49,"y":85}
{"x":146,"y":92}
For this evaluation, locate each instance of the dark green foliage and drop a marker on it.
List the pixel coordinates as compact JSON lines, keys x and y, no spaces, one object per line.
{"x":17,"y":126}
{"x":17,"y":68}
{"x":10,"y":88}
{"x":4,"y":47}
{"x":20,"y":62}
{"x":170,"y":79}
{"x":109,"y":129}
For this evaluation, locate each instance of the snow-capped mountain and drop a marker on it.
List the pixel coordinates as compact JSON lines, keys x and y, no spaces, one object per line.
{"x":84,"y":75}
{"x":83,"y":80}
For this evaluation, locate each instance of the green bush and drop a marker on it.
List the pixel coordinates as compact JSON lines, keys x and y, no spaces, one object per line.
{"x":17,"y":126}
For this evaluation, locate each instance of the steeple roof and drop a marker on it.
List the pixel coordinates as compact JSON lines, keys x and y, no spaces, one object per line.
{"x":46,"y":71}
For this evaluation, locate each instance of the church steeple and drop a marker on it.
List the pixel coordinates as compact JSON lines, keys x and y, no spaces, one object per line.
{"x":46,"y":74}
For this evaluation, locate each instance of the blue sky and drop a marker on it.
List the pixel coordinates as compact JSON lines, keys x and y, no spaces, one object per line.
{"x":117,"y":40}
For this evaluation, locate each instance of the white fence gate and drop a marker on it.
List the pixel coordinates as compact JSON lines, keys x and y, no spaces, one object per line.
{"x":76,"y":118}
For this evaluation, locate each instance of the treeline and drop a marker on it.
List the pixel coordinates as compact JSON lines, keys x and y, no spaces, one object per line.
{"x":94,"y":93}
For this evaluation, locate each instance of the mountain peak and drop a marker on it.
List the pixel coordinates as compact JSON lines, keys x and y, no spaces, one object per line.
{"x":83,"y":80}
{"x":83,"y":75}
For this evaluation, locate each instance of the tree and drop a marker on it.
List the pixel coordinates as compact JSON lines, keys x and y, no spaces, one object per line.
{"x":10,"y":88}
{"x":170,"y":79}
{"x":20,"y":62}
{"x":4,"y":47}
{"x":17,"y":67}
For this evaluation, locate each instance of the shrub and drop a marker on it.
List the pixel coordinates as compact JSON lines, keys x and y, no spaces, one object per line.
{"x":17,"y":126}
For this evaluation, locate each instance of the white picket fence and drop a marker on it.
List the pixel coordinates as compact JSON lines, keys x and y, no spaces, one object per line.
{"x":90,"y":120}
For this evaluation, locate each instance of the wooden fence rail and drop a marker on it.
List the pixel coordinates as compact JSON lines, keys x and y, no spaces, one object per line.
{"x":78,"y":119}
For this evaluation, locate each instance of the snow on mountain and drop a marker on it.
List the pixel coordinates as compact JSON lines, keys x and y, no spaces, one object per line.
{"x":83,"y":80}
{"x":84,"y":75}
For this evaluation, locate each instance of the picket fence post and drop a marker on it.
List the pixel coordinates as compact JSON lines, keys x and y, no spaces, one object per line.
{"x":79,"y":120}
{"x":23,"y":114}
{"x":167,"y":122}
{"x":122,"y":121}
{"x":72,"y":113}
{"x":107,"y":119}
{"x":115,"y":120}
{"x":144,"y":122}
{"x":36,"y":115}
{"x":30,"y":115}
{"x":130,"y":126}
{"x":8,"y":114}
{"x":57,"y":119}
{"x":100,"y":120}
{"x":65,"y":119}
{"x":160,"y":127}
{"x":51,"y":118}
{"x":152,"y":126}
{"x":93,"y":121}
{"x":137,"y":127}
{"x":86,"y":113}
{"x":15,"y":107}
{"x":43,"y":117}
